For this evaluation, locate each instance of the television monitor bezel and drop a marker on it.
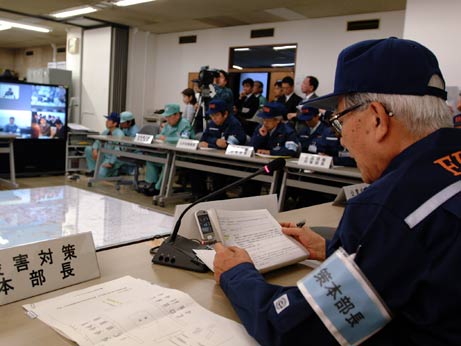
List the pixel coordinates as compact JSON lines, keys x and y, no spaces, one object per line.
{"x":66,"y":109}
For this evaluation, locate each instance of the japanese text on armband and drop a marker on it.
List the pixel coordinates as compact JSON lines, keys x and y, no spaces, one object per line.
{"x":344,"y":300}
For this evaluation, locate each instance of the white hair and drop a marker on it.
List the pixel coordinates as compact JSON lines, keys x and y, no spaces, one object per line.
{"x":421,"y":115}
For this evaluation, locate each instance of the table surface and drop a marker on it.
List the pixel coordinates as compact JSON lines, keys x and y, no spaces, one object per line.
{"x":18,"y":329}
{"x":30,"y":215}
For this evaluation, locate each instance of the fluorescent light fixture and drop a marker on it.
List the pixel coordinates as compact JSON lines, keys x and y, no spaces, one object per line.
{"x":284,"y":47}
{"x":72,"y":12}
{"x":130,"y":2}
{"x":5,"y":27}
{"x":283,"y":65}
{"x":23,"y":26}
{"x":241,"y":49}
{"x":237,"y":67}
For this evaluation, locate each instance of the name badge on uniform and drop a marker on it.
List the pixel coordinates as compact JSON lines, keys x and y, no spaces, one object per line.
{"x":313,"y":160}
{"x":142,"y":138}
{"x":239,"y":150}
{"x":344,"y":300}
{"x":185,"y":143}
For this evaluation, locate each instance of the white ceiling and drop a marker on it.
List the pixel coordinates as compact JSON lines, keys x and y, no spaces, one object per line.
{"x":165,"y":16}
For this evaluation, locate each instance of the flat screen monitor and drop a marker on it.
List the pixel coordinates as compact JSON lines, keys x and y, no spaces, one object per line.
{"x":262,"y":77}
{"x":33,"y":111}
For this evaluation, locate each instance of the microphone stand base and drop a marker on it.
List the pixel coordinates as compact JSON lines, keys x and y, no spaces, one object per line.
{"x":180,"y":254}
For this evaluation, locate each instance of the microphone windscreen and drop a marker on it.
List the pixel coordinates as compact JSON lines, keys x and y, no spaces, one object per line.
{"x":276,"y":164}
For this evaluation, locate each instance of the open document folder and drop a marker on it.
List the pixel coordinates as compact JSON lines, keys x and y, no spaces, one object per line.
{"x":129,"y":312}
{"x":259,"y":233}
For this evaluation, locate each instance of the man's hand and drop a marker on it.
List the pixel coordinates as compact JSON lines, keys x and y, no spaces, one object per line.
{"x":221,"y":143}
{"x":313,"y":242}
{"x":161,"y":137}
{"x":203,"y":144}
{"x":291,"y":116}
{"x":107,"y":165}
{"x":263,"y":151}
{"x":227,"y":258}
{"x":94,"y":154}
{"x":263,"y":131}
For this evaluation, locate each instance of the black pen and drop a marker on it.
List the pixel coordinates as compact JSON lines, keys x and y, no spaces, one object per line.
{"x":301,"y":223}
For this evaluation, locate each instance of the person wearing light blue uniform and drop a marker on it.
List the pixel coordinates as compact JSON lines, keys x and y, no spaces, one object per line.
{"x":110,"y":164}
{"x":403,"y":230}
{"x":176,"y":128}
{"x":128,"y":124}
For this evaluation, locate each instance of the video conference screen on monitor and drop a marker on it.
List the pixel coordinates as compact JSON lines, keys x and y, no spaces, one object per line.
{"x":35,"y":111}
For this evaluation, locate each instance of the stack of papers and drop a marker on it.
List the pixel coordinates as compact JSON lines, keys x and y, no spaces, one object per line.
{"x":130,"y":311}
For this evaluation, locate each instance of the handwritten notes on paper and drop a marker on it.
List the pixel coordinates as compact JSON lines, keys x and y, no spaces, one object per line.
{"x":129,"y":311}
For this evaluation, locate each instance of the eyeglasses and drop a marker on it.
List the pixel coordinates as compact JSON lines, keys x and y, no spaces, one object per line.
{"x":334,"y":119}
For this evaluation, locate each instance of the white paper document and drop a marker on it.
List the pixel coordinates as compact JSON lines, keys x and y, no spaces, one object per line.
{"x":260,"y":235}
{"x":129,"y":311}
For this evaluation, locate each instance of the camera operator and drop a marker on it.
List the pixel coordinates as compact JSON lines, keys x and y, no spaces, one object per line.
{"x":223,"y":92}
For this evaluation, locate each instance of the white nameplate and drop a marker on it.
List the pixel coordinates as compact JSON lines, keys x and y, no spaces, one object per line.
{"x":347,"y":192}
{"x":239,"y":150}
{"x":36,"y":268}
{"x":185,"y":143}
{"x":313,"y":160}
{"x":142,"y":138}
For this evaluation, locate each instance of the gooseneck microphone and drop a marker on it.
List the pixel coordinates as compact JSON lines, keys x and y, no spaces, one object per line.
{"x":177,"y":251}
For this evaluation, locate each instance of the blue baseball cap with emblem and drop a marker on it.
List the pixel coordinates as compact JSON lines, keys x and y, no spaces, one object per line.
{"x":216,"y":106}
{"x":272,"y":110}
{"x":307,"y":113}
{"x":386,"y":66}
{"x":170,"y":109}
{"x":114,"y":116}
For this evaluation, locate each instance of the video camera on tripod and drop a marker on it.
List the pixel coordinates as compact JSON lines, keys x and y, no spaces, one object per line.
{"x":206,"y":77}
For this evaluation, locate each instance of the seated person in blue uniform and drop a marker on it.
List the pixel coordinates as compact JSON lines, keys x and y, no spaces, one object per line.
{"x":223,"y":129}
{"x":110,"y":164}
{"x":404,"y":229}
{"x":176,"y":127}
{"x":273,"y":137}
{"x":319,"y":138}
{"x":128,"y":124}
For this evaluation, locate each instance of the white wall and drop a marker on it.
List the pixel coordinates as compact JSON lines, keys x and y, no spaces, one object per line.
{"x":319,"y":42}
{"x":74,"y":63}
{"x":140,"y":76}
{"x":95,"y":77}
{"x":435,"y":24}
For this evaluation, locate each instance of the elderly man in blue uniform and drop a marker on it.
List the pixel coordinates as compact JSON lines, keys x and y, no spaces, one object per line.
{"x":403,"y":229}
{"x":320,"y":138}
{"x":175,"y":128}
{"x":223,"y":129}
{"x":110,"y":164}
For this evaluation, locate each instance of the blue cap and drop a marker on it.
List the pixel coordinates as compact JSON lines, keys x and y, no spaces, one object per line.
{"x":307,"y":112}
{"x":272,"y":110}
{"x":386,"y":66}
{"x":170,"y":109}
{"x":126,"y":116}
{"x":216,"y":106}
{"x":114,"y":116}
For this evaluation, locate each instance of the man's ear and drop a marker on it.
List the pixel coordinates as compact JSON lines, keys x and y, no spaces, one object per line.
{"x":381,"y":121}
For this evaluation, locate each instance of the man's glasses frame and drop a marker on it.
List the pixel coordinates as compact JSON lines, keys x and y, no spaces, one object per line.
{"x":334,"y":119}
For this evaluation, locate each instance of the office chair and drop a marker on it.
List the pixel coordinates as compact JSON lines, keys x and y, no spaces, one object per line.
{"x":148,"y":129}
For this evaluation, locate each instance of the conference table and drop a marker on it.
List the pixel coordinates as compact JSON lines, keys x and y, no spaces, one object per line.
{"x":16,"y":328}
{"x":329,"y":180}
{"x":7,"y":147}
